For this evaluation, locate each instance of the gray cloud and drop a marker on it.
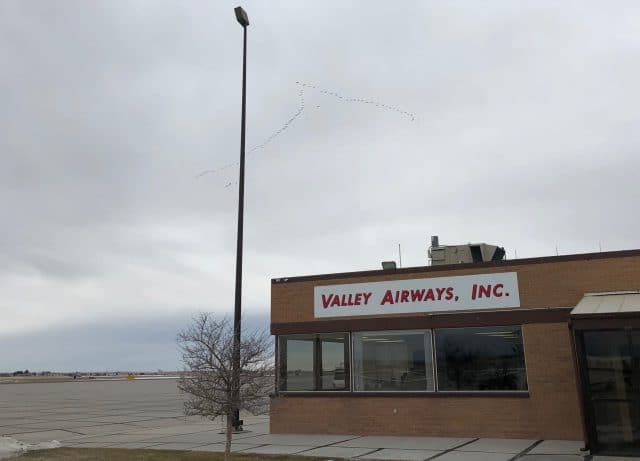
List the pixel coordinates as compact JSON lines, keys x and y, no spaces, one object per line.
{"x":134,"y":344}
{"x":525,"y":137}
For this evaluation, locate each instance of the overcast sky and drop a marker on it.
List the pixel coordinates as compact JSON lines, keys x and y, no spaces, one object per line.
{"x":506,"y":122}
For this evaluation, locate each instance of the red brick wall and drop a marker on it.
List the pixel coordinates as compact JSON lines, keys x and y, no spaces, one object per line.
{"x":552,"y":409}
{"x":551,"y":412}
{"x":551,"y":284}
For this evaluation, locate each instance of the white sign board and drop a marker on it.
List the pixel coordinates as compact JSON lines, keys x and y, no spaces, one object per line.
{"x":482,"y":291}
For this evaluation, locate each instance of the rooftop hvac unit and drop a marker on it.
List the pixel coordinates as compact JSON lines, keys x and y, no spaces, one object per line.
{"x":463,"y":254}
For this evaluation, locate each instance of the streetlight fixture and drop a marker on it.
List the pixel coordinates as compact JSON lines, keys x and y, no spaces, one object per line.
{"x":243,"y":19}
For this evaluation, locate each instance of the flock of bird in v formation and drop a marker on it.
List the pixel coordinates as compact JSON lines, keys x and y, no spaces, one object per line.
{"x":410,"y":116}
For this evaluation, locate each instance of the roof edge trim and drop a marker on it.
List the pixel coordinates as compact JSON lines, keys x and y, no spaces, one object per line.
{"x":451,"y":267}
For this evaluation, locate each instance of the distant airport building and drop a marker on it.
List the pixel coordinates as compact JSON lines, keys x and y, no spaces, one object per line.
{"x":472,"y":345}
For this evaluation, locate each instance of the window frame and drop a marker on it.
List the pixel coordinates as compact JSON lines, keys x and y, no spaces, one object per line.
{"x":399,"y":392}
{"x":349,"y":366}
{"x":316,"y":363}
{"x":478,"y":391}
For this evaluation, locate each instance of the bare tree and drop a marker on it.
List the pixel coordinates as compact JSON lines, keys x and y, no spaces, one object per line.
{"x":207,"y":355}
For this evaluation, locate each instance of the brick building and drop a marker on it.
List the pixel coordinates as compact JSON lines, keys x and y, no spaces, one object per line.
{"x":541,"y":348}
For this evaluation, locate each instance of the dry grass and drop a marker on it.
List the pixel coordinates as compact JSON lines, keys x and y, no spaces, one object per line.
{"x":120,"y":454}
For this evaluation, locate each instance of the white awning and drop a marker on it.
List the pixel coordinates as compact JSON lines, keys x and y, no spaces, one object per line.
{"x":617,"y":302}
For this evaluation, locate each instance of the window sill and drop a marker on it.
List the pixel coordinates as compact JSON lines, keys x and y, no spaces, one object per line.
{"x":401,"y":394}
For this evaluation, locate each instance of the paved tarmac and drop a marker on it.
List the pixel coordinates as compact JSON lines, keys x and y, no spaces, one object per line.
{"x":148,"y":414}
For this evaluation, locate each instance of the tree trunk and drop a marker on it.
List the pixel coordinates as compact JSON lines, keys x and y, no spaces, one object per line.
{"x":229,"y":431}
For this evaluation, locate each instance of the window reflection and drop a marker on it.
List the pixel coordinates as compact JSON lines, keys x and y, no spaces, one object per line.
{"x":393,"y":361}
{"x":296,"y":356}
{"x":314,"y":362}
{"x":334,"y":373}
{"x":480,"y":359}
{"x":467,"y":359}
{"x":613,"y":376}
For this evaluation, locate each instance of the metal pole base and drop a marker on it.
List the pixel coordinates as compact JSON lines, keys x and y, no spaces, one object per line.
{"x":234,"y":431}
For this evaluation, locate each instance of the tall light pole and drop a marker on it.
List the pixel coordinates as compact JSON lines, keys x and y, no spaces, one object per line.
{"x":243,"y":19}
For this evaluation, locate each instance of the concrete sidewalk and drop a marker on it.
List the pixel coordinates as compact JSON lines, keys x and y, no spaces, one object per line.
{"x":173,"y":433}
{"x":149,"y":415}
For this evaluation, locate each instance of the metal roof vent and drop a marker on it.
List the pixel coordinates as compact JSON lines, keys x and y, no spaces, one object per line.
{"x":388,"y":265}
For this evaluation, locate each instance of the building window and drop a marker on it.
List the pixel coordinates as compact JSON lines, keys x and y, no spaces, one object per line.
{"x":480,"y":359}
{"x":297,"y":363}
{"x":392,"y":361}
{"x":314,"y":362}
{"x":334,"y":360}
